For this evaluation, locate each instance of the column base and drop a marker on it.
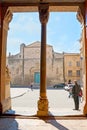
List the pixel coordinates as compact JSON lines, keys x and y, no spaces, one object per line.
{"x":42,"y":113}
{"x":85,"y":109}
{"x":42,"y":107}
{"x":5,"y":105}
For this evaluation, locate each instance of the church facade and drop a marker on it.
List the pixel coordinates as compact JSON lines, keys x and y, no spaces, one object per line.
{"x":25,"y":66}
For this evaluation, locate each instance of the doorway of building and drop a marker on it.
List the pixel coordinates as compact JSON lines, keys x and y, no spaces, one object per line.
{"x":37,"y":77}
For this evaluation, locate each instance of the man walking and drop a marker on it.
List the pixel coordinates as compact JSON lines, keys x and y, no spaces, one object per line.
{"x":75,"y":93}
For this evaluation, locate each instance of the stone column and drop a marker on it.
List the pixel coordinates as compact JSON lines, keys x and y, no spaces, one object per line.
{"x":43,"y":102}
{"x":85,"y":29}
{"x":5,"y":18}
{"x":82,"y":17}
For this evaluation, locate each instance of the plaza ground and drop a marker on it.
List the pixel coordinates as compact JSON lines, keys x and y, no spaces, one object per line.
{"x":24,"y":101}
{"x":27,"y":121}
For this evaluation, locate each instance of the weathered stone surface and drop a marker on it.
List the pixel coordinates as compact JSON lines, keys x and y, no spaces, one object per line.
{"x":28,"y":64}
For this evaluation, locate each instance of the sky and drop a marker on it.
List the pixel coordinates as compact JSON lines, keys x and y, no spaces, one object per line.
{"x":63,"y":31}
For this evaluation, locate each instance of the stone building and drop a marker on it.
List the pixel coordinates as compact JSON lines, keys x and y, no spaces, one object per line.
{"x":72,"y":67}
{"x":25,"y":66}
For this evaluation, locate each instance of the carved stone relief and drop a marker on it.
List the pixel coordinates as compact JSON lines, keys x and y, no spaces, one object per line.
{"x":43,"y":13}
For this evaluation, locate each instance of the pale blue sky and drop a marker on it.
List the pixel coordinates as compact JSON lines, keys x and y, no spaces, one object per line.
{"x":63,"y":31}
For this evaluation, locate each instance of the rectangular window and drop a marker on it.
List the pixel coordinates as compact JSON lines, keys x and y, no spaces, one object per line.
{"x":78,"y":63}
{"x":69,"y":72}
{"x":77,"y":72}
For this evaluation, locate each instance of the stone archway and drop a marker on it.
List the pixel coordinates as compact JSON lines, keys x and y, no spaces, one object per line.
{"x":6,"y":10}
{"x":5,"y":18}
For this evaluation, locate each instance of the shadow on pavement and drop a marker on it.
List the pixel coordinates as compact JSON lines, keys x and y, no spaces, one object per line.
{"x":8,"y":124}
{"x":54,"y":122}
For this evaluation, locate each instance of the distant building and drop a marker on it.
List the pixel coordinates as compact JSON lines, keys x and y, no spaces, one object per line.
{"x":72,"y":66}
{"x":25,"y":66}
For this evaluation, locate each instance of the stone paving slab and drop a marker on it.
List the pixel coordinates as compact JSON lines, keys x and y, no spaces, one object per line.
{"x":38,"y":124}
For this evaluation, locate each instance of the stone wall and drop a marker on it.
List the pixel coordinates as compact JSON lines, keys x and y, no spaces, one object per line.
{"x":24,"y":65}
{"x":72,"y":63}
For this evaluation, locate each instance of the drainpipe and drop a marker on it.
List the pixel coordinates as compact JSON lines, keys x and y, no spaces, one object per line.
{"x":63,"y":69}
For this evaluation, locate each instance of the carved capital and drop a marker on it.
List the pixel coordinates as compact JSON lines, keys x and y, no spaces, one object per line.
{"x":43,"y":13}
{"x":7,"y":18}
{"x":81,"y":14}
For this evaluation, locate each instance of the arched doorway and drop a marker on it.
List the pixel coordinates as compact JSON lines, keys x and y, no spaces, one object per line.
{"x":5,"y":19}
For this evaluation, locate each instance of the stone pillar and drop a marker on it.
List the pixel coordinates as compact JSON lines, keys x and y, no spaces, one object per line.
{"x":5,"y":18}
{"x":43,"y":102}
{"x":85,"y":29}
{"x":82,"y":17}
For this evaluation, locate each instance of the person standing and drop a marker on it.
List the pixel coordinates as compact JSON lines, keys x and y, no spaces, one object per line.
{"x":31,"y":86}
{"x":81,"y":96}
{"x":69,"y":82}
{"x":75,"y":93}
{"x":70,"y":88}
